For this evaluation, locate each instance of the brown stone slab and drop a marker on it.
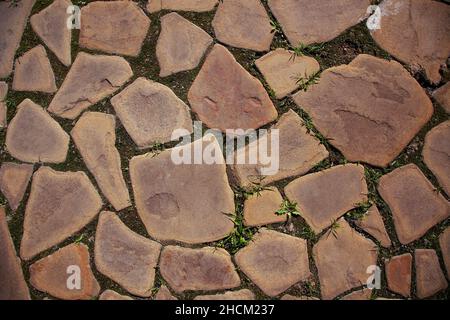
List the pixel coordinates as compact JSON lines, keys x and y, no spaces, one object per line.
{"x":429,"y":276}
{"x":373,"y":224}
{"x":398,"y":274}
{"x":260,"y":209}
{"x":444,"y":242}
{"x":112,"y":295}
{"x":442,"y":96}
{"x":243,"y":294}
{"x":14,"y":179}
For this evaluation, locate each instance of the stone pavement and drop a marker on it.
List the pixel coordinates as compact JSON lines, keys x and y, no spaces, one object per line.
{"x":93,"y":206}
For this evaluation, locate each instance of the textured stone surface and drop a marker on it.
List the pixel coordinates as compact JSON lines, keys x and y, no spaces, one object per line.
{"x":33,"y":72}
{"x":309,"y":21}
{"x":368,"y":100}
{"x":282,"y":70}
{"x":442,"y":96}
{"x":176,"y":206}
{"x":181,"y":45}
{"x":116,"y":27}
{"x":150,"y":112}
{"x":50,"y":25}
{"x":364,"y":294}
{"x":34,"y":136}
{"x":3,"y":108}
{"x":60,"y":204}
{"x":416,"y":32}
{"x":414,"y":202}
{"x":124,"y":256}
{"x":164,"y":294}
{"x":13,"y":283}
{"x":112,"y":295}
{"x":398,"y":274}
{"x":324,"y":196}
{"x":198,"y":269}
{"x":299,"y":152}
{"x":50,"y":274}
{"x":225,"y":96}
{"x":14,"y":180}
{"x":91,"y":78}
{"x":373,"y":224}
{"x":260,"y":209}
{"x":243,"y":24}
{"x":13,"y":19}
{"x":444,"y":243}
{"x":243,"y":294}
{"x":342,"y":259}
{"x":429,"y":277}
{"x":181,"y":5}
{"x":436,"y":154}
{"x":95,"y":137}
{"x":274,"y":261}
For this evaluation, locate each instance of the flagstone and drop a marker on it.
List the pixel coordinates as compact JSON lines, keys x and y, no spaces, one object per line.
{"x":3,"y":108}
{"x":243,"y":294}
{"x":429,"y":276}
{"x":442,"y":96}
{"x":181,"y":5}
{"x":358,"y":295}
{"x":398,"y":274}
{"x":14,"y":179}
{"x":260,"y":209}
{"x":112,"y":295}
{"x":387,"y":107}
{"x":416,"y":206}
{"x":444,"y":243}
{"x":164,"y":294}
{"x":373,"y":224}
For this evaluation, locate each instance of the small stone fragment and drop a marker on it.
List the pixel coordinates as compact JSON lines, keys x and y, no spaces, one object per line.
{"x":429,"y":276}
{"x":3,"y":108}
{"x":112,"y":295}
{"x":444,"y":243}
{"x":373,"y":224}
{"x":198,"y":269}
{"x":34,"y":136}
{"x":14,"y":179}
{"x":243,"y":294}
{"x":50,"y":274}
{"x":181,"y":5}
{"x":362,"y":294}
{"x":260,"y":209}
{"x":274,"y":261}
{"x":416,"y":206}
{"x":164,"y":294}
{"x":442,"y":96}
{"x":398,"y":274}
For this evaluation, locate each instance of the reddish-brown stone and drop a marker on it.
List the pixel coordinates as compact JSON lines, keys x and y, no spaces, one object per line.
{"x":398,"y":274}
{"x":14,"y":179}
{"x":429,"y":276}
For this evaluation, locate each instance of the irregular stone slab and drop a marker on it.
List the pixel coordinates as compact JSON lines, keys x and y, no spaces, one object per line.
{"x":387,"y":107}
{"x":60,"y":204}
{"x":405,"y":29}
{"x":359,"y":295}
{"x":342,"y":259}
{"x":33,"y":72}
{"x":309,"y":21}
{"x":324,"y":196}
{"x":34,"y":136}
{"x":51,"y":275}
{"x":50,"y":25}
{"x":175,"y":206}
{"x":181,"y":45}
{"x":95,"y":137}
{"x":164,"y":294}
{"x":91,"y":78}
{"x":198,"y":269}
{"x":299,"y":152}
{"x":398,"y":274}
{"x":442,"y":96}
{"x":181,"y":5}
{"x":243,"y":294}
{"x":373,"y":224}
{"x":14,"y":180}
{"x":112,"y":295}
{"x":225,"y":96}
{"x":270,"y":255}
{"x":13,"y":283}
{"x":429,"y":276}
{"x":416,"y":206}
{"x":282,"y":70}
{"x":116,"y":27}
{"x":3,"y":108}
{"x":291,"y":297}
{"x":243,"y":24}
{"x":260,"y":209}
{"x":444,"y":242}
{"x":436,"y":154}
{"x":150,"y":112}
{"x":13,"y":19}
{"x":124,"y":256}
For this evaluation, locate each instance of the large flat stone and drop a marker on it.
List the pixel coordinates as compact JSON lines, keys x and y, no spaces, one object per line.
{"x":373,"y":224}
{"x":444,"y":243}
{"x":34,"y":136}
{"x":116,"y":27}
{"x":60,"y":204}
{"x":50,"y":25}
{"x":243,"y":294}
{"x":274,"y":261}
{"x":3,"y":108}
{"x":416,"y":206}
{"x":370,"y":99}
{"x":243,"y":24}
{"x":324,"y":196}
{"x":14,"y":179}
{"x":260,"y":209}
{"x":51,"y":274}
{"x":183,"y":202}
{"x":225,"y":96}
{"x":95,"y":137}
{"x":90,"y":79}
{"x":314,"y":21}
{"x":13,"y":283}
{"x":416,"y":32}
{"x":181,"y":5}
{"x":112,"y":295}
{"x":124,"y":256}
{"x":442,"y":96}
{"x":398,"y":274}
{"x":181,"y":45}
{"x":198,"y":269}
{"x":342,"y":259}
{"x":429,"y":276}
{"x":150,"y":112}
